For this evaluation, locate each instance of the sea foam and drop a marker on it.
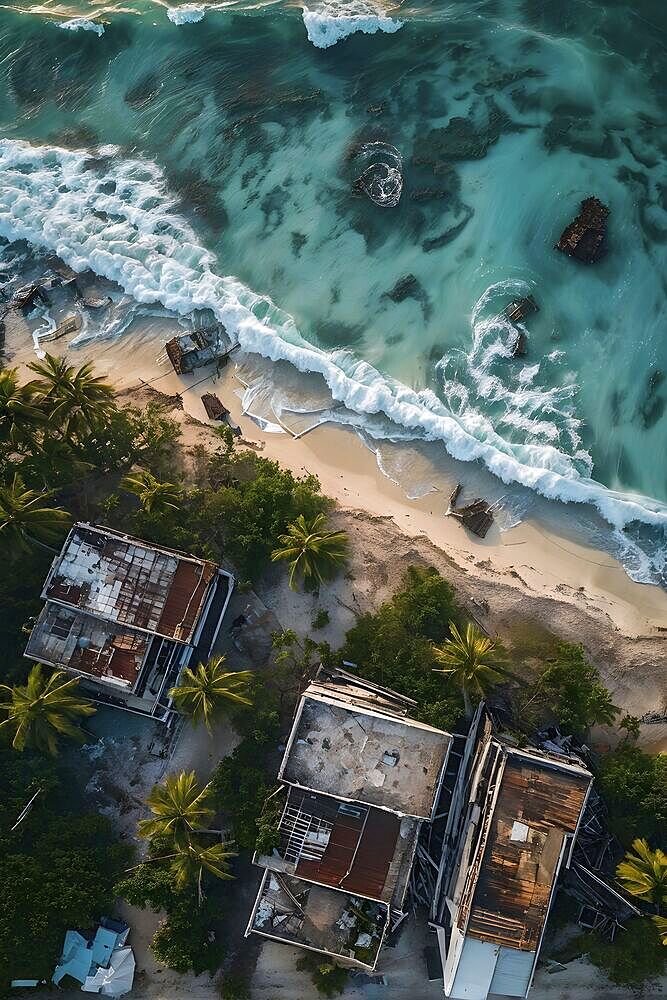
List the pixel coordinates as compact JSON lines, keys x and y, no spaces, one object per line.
{"x":82,"y":24}
{"x":335,"y":20}
{"x":121,"y":223}
{"x":188,"y":13}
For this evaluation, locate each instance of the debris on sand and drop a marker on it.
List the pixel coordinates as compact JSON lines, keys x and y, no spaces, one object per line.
{"x":477,"y":516}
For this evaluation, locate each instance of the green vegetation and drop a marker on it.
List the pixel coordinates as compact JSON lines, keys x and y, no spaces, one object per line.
{"x":568,"y":691}
{"x":58,"y":867}
{"x":154,"y":496}
{"x":179,"y":806}
{"x":465,"y":659}
{"x":636,"y":954}
{"x":206,"y":693}
{"x":241,"y":782}
{"x":320,"y":619}
{"x":186,"y":939}
{"x":27,"y":519}
{"x":43,"y":710}
{"x":313,"y":554}
{"x":644,"y":873}
{"x":328,"y":978}
{"x":395,"y":645}
{"x":634,"y":786}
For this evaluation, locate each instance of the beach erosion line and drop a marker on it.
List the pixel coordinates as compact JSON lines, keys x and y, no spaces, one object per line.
{"x":115,"y":217}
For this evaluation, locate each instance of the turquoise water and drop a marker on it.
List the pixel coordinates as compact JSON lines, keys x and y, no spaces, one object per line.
{"x":209,"y":163}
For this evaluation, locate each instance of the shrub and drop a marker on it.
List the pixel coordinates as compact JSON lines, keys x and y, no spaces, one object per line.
{"x":568,"y":692}
{"x":235,"y":986}
{"x":634,"y":786}
{"x":321,"y":618}
{"x":328,"y":978}
{"x":636,"y":954}
{"x":239,"y":784}
{"x":393,"y":646}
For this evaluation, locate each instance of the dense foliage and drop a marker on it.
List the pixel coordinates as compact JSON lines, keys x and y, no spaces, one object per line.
{"x":58,"y":868}
{"x":393,"y":646}
{"x":568,"y":691}
{"x":241,"y":783}
{"x":634,"y":785}
{"x":186,"y":939}
{"x":328,"y":978}
{"x":637,"y":953}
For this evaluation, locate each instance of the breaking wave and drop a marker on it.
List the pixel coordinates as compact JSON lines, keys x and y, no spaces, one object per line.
{"x":115,"y":217}
{"x":82,"y":24}
{"x":189,"y":13}
{"x":334,"y":20}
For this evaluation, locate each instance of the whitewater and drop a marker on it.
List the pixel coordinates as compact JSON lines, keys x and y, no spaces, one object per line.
{"x":116,"y":217}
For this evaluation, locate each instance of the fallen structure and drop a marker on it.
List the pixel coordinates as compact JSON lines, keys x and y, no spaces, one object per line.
{"x":198,"y":349}
{"x":126,"y":616}
{"x":511,"y":827}
{"x":360,"y":779}
{"x":216,"y":410}
{"x":102,"y":962}
{"x":477,"y":516}
{"x":585,"y":237}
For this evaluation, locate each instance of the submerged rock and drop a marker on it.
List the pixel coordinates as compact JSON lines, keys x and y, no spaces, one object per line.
{"x":407,"y":287}
{"x":585,"y":237}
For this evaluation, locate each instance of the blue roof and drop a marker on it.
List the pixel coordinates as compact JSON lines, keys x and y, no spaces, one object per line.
{"x":103,"y":944}
{"x":76,"y":959}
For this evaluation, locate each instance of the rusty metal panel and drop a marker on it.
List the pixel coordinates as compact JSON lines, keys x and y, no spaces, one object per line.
{"x":537,"y":807}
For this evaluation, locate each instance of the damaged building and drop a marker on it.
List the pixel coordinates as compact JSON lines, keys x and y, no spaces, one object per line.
{"x":126,"y":616}
{"x":511,"y":828}
{"x":360,"y":779}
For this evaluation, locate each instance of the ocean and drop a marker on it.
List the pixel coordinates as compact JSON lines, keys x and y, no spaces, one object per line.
{"x":206,"y":157}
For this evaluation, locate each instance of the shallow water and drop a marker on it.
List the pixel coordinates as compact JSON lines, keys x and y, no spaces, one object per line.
{"x":238,"y":132}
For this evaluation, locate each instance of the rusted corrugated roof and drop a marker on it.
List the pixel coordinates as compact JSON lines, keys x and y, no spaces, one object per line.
{"x":537,"y":807}
{"x":128,"y":581}
{"x":360,"y":849}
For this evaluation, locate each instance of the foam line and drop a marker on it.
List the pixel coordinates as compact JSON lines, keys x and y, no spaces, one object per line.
{"x":136,"y":238}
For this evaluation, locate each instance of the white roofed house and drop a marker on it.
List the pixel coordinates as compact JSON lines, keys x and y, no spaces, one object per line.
{"x":360,"y":780}
{"x":518,"y":823}
{"x":125,"y":616}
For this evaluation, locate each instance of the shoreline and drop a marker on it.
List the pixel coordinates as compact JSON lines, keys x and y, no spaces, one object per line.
{"x":538,"y":559}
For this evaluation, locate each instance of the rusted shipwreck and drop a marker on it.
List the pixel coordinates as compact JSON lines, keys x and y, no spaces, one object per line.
{"x":476,"y":516}
{"x":516,"y":312}
{"x":198,"y":348}
{"x":586,"y":237}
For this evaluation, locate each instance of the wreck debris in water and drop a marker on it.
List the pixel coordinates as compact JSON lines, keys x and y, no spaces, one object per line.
{"x":585,"y":237}
{"x":476,"y":516}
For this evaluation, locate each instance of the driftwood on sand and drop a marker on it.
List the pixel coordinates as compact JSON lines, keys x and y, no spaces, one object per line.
{"x":477,"y":516}
{"x":585,"y":237}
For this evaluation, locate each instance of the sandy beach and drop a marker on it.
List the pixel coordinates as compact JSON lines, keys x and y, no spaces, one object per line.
{"x":523,"y":574}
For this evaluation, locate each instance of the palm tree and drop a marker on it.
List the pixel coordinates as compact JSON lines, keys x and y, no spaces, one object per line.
{"x":20,"y":413}
{"x":75,"y":399}
{"x":644,"y":873}
{"x":179,"y":807}
{"x":43,"y":710}
{"x":155,"y":497}
{"x":205,"y":693}
{"x":465,"y":659}
{"x":192,"y":859}
{"x":661,"y":924}
{"x":312,"y":552}
{"x":25,"y":518}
